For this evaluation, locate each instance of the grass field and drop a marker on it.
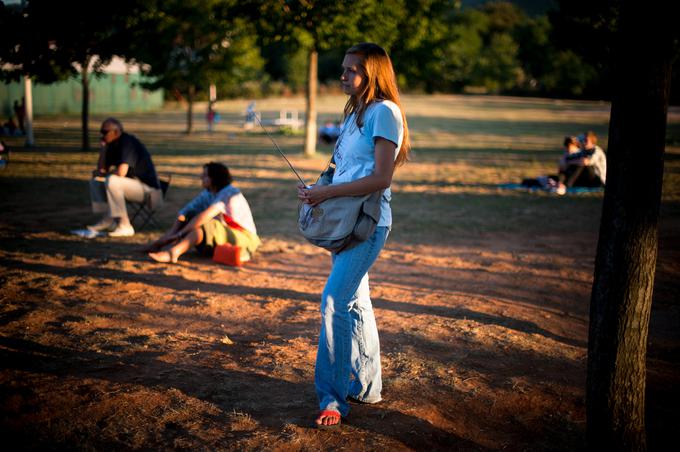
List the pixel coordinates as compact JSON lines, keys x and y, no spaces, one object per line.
{"x":463,"y":148}
{"x":481,"y":294}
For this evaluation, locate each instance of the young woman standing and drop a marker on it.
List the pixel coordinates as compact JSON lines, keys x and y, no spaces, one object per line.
{"x":373,"y":142}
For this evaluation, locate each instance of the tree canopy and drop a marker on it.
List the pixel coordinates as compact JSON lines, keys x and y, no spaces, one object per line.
{"x":188,"y":45}
{"x":79,"y":43}
{"x":260,"y":47}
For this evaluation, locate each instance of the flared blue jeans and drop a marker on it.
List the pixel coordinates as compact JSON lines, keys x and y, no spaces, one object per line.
{"x":348,"y":357}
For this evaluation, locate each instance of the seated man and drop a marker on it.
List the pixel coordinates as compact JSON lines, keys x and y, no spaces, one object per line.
{"x":124,"y":172}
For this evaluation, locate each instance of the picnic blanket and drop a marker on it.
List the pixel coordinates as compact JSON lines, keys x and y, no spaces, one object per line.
{"x":573,"y":190}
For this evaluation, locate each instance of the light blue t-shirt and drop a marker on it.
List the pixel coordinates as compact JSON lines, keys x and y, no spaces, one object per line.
{"x":355,"y":149}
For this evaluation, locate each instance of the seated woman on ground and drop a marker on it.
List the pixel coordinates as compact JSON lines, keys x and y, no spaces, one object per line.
{"x":219,"y":214}
{"x":572,"y":147}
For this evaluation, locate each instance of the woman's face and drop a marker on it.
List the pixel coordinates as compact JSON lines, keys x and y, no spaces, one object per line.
{"x":205,"y":179}
{"x":352,"y":77}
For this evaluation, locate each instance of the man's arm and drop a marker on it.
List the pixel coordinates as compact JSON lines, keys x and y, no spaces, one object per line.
{"x":101,"y":162}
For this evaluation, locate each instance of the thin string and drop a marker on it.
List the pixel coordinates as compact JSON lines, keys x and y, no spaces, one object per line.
{"x":280,"y":151}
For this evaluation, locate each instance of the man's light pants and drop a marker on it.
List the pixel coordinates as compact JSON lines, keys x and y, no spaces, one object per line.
{"x":108,"y":194}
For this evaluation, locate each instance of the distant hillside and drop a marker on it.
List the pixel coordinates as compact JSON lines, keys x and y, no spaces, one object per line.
{"x":530,"y":7}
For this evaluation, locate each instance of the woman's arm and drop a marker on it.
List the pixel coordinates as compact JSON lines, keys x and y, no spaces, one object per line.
{"x":379,"y":180}
{"x":199,"y":220}
{"x":169,"y":236}
{"x":195,"y":206}
{"x":179,"y":222}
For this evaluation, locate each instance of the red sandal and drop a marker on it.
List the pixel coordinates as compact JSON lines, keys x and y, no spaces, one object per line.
{"x":331,"y":414}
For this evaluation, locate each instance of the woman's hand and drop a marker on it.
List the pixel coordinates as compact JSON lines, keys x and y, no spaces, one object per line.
{"x":379,"y":180}
{"x":315,"y":194}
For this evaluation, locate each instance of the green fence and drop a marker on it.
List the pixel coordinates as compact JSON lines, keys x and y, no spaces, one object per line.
{"x":110,"y":93}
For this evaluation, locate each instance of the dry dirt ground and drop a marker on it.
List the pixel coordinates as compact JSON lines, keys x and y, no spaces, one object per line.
{"x":483,"y":329}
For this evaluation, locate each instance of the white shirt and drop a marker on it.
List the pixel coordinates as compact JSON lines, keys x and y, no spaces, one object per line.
{"x":237,"y":208}
{"x":355,"y":149}
{"x":229,"y":201}
{"x":599,"y":162}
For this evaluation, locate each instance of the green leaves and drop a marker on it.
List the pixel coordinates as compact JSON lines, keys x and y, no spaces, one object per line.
{"x":192,"y":44}
{"x":435,"y":45}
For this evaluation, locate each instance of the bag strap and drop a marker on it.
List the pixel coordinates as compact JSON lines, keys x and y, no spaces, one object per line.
{"x":331,"y":162}
{"x":232,"y":223}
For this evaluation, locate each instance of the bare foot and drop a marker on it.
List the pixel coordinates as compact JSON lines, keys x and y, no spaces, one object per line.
{"x":328,"y":419}
{"x":163,"y":256}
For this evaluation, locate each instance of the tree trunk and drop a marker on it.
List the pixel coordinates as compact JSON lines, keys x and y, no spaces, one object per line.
{"x":190,"y":109}
{"x":28,"y":102}
{"x":310,"y":112}
{"x":85,"y":111}
{"x":627,"y":249}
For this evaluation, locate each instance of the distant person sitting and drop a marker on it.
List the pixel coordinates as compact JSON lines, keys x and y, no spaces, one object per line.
{"x":211,"y":116}
{"x":570,"y":165}
{"x":4,"y":155}
{"x":9,"y":128}
{"x":219,"y":215}
{"x":330,"y":132}
{"x":20,"y":113}
{"x":124,"y":172}
{"x":585,"y":168}
{"x":251,"y":116}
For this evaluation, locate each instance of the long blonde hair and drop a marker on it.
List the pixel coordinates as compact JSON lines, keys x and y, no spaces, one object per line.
{"x":380,"y":83}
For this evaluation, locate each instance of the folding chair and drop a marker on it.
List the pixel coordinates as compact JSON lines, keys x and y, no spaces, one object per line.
{"x":146,"y":209}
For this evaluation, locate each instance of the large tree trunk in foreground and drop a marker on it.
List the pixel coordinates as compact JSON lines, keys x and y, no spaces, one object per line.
{"x":627,"y":249}
{"x":310,"y":113}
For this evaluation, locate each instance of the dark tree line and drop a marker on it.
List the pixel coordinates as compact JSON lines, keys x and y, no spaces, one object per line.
{"x":253,"y":48}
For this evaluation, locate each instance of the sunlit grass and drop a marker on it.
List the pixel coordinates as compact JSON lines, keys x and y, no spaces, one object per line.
{"x":463,"y":148}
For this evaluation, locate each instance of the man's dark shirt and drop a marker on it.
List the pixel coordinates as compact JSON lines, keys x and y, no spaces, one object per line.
{"x":128,"y":149}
